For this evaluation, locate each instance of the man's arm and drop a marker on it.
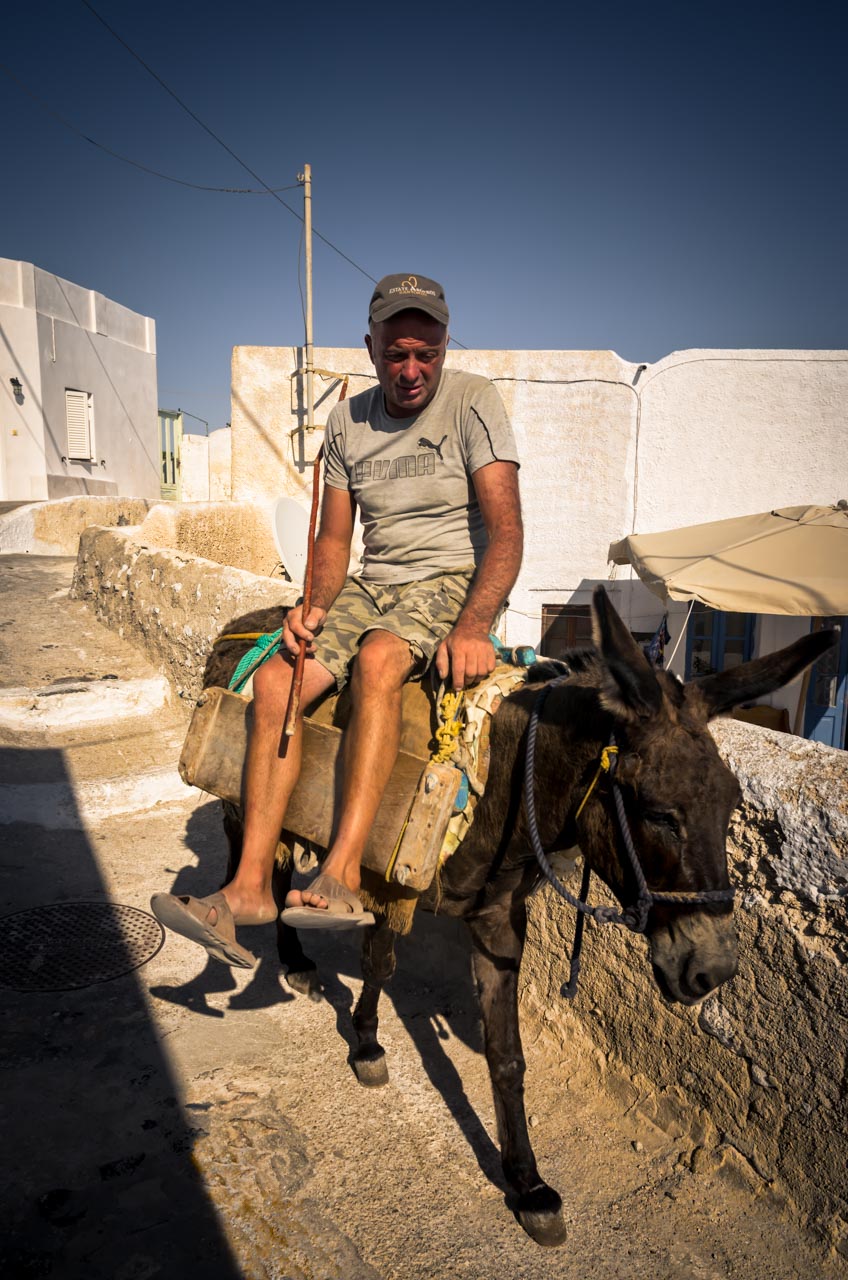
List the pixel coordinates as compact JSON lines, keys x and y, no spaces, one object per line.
{"x":467,"y":650}
{"x":331,"y":559}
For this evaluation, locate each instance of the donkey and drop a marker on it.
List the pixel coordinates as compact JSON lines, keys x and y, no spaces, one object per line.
{"x":676,"y":797}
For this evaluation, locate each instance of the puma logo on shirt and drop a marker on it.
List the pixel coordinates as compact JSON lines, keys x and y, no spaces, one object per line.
{"x":424,"y":443}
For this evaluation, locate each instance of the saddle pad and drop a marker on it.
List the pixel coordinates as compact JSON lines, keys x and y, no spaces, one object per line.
{"x":472,"y":753}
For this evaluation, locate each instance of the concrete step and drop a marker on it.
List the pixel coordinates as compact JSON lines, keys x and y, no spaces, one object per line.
{"x":88,"y":727}
{"x":76,"y":805}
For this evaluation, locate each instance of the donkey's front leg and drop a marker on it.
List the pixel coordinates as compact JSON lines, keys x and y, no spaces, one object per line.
{"x":301,"y":972}
{"x":378,"y":965}
{"x":498,"y":941}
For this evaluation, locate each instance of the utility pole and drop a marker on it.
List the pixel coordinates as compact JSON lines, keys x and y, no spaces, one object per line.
{"x":306,"y":179}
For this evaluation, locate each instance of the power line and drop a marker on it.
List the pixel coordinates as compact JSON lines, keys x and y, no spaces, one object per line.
{"x":237,"y":158}
{"x":267,"y":190}
{"x":220,"y":141}
{"x":196,"y":186}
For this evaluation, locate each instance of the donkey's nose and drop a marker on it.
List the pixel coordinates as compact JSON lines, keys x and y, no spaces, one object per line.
{"x":701,"y":978}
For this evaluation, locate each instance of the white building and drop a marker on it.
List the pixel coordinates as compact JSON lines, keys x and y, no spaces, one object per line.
{"x":77,"y":391}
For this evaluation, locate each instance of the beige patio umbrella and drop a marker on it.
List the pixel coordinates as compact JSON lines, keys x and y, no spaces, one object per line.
{"x":792,"y":561}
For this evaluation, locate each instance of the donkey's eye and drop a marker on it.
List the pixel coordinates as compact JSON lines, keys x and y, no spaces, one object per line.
{"x":658,"y":818}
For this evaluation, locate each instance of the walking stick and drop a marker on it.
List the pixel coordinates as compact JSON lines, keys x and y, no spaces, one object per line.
{"x":297,"y":679}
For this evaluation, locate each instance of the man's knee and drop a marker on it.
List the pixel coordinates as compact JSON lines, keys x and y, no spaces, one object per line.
{"x":271,"y":684}
{"x":384,"y":661}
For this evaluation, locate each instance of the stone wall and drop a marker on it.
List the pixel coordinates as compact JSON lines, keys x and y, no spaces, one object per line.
{"x":170,"y":605}
{"x":238,"y":534}
{"x":755,"y":1077}
{"x":54,"y":528}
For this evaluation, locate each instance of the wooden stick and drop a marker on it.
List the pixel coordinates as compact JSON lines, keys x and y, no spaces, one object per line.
{"x":297,"y":679}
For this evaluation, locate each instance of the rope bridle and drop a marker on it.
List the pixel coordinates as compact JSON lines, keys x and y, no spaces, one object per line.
{"x":633,"y":917}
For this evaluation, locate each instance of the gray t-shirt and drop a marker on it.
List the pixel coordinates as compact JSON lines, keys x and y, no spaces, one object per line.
{"x":411,"y":477}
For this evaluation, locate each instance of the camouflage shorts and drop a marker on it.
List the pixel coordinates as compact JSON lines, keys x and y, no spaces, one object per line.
{"x":421,"y":613}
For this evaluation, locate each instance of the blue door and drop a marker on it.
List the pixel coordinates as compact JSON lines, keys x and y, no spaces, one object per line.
{"x":827,"y":695}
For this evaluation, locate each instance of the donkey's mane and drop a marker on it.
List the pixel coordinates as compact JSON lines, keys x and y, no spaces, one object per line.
{"x":573,"y":662}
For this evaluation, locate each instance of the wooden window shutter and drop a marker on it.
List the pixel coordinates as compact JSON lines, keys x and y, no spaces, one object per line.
{"x":78,"y":422}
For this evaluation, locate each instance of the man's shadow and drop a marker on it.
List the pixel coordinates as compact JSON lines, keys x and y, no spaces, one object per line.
{"x":438,"y":1004}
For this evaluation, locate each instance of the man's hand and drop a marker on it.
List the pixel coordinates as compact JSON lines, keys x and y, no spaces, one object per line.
{"x":297,"y":628}
{"x":468,"y":654}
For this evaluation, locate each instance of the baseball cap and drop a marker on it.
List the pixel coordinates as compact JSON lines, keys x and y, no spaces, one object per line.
{"x":408,"y":293}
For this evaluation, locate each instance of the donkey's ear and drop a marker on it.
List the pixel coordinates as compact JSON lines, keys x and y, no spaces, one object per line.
{"x":713,"y":695}
{"x":630,"y":688}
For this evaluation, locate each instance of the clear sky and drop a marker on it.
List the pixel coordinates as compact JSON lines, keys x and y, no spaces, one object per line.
{"x":642,"y":177}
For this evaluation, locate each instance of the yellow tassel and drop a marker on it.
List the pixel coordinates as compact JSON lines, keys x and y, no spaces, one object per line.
{"x":603,"y":767}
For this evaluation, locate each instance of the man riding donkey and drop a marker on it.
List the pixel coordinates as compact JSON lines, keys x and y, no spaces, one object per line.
{"x":429,"y":459}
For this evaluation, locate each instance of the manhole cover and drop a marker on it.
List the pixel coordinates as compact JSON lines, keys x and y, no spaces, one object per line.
{"x":75,"y":944}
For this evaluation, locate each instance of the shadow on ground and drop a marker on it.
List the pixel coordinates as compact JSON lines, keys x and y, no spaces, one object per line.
{"x":98,"y":1179}
{"x":432,"y":992}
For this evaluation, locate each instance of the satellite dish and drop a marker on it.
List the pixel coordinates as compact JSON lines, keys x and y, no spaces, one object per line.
{"x":290,"y":526}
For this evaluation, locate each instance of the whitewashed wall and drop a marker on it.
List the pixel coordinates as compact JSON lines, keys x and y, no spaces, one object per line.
{"x":205,"y":466}
{"x":608,"y":448}
{"x":56,"y":335}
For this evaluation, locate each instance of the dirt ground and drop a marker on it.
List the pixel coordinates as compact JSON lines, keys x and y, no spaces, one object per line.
{"x":188,"y":1120}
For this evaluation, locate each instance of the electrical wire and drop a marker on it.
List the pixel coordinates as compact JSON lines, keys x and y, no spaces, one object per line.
{"x":136,"y":164}
{"x":220,"y":141}
{"x":195,"y":186}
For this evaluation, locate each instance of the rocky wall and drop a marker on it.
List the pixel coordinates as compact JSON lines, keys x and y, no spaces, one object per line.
{"x":754,"y":1078}
{"x":230,"y":533}
{"x":171,"y":605}
{"x":54,"y":528}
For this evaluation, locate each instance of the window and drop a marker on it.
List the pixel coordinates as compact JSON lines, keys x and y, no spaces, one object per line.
{"x":79,"y":421}
{"x":170,"y":432}
{"x":564,"y":627}
{"x":717,"y":641}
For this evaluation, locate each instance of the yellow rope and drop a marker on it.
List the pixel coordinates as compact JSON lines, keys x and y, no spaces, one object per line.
{"x":242,"y":635}
{"x":393,"y":859}
{"x":447,"y":735}
{"x":603,"y":767}
{"x":447,"y":740}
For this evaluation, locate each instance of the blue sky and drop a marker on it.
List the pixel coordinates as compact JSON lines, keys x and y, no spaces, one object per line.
{"x":640,"y":178}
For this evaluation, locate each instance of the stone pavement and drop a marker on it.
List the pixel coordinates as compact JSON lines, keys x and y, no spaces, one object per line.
{"x":188,"y":1120}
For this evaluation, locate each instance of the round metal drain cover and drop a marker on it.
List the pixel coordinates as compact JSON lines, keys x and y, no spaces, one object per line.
{"x":75,"y":944}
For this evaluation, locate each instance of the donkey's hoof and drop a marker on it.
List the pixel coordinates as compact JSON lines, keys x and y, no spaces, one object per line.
{"x":306,"y":982}
{"x":371,"y":1067}
{"x":540,"y":1214}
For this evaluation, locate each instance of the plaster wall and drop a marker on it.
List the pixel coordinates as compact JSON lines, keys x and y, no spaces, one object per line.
{"x":205,"y":467}
{"x":220,"y":445}
{"x":724,"y":433}
{"x":194,"y":468}
{"x":607,"y":447}
{"x":86,"y":342}
{"x":23,"y":469}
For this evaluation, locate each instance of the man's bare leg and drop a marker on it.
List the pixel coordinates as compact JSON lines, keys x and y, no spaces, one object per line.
{"x":372,"y":740}
{"x":269,"y":781}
